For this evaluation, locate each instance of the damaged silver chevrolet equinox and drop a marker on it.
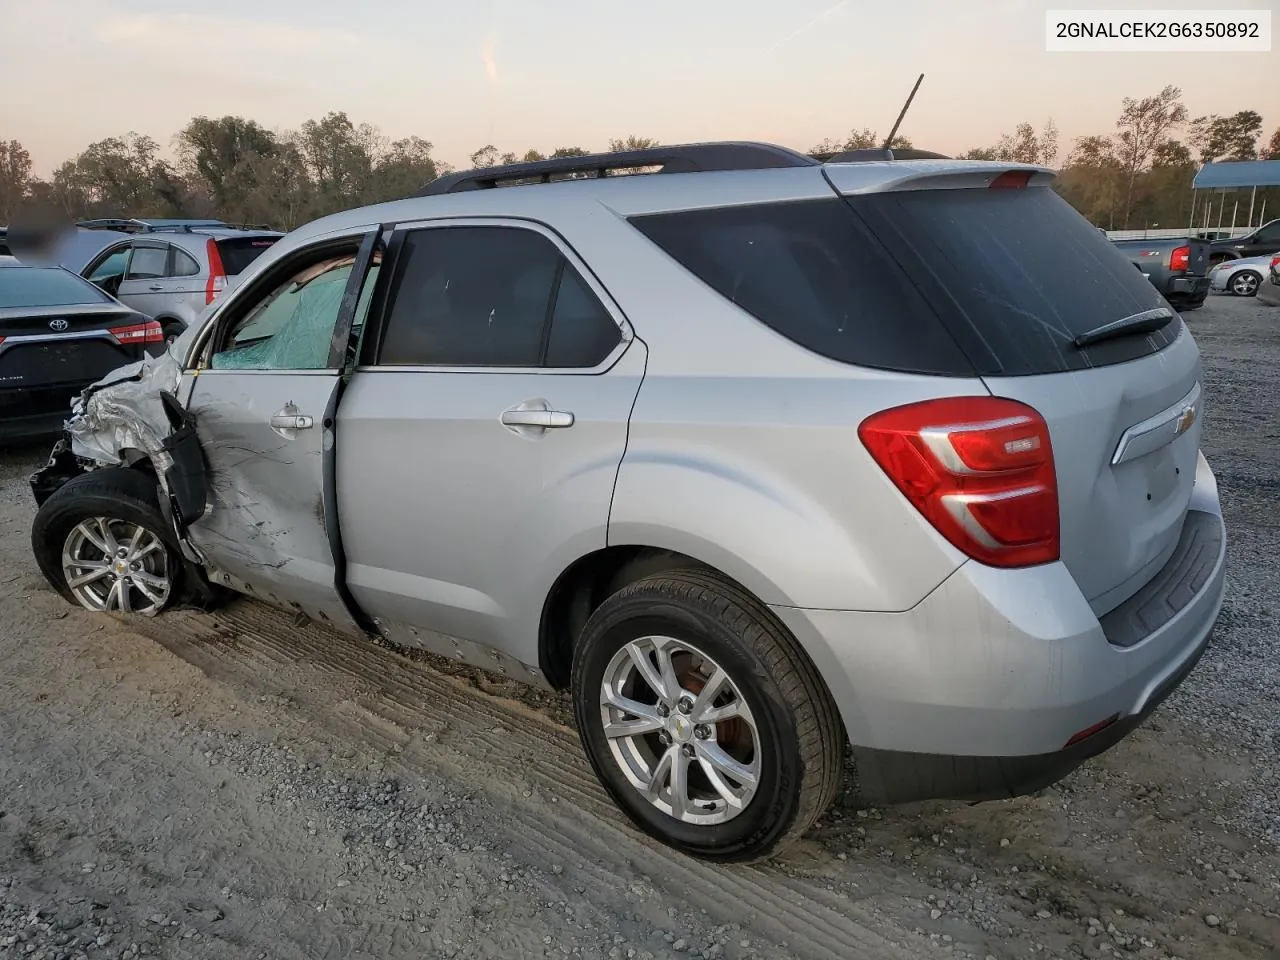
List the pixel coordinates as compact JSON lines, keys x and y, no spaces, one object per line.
{"x":757,"y":455}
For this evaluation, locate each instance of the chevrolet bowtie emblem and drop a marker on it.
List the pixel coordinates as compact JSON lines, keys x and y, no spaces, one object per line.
{"x":1185,"y":420}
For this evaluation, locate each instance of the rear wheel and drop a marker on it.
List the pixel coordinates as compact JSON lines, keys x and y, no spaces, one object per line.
{"x":703,"y":718}
{"x":1245,"y":283}
{"x":102,"y":543}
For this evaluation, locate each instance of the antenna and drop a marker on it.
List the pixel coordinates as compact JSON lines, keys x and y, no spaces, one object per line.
{"x":906,"y":106}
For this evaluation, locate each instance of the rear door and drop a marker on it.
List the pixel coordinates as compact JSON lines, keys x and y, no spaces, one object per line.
{"x":145,"y":276}
{"x":263,"y":397}
{"x":1017,"y":275}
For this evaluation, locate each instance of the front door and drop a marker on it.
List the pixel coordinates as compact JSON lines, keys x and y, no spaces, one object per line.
{"x":263,"y":397}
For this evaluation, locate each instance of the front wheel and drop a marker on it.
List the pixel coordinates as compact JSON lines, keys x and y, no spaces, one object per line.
{"x":101,"y":541}
{"x":1245,"y":283}
{"x":703,"y":718}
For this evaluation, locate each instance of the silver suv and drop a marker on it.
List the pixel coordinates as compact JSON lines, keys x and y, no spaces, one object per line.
{"x":170,"y":270}
{"x":757,"y":456}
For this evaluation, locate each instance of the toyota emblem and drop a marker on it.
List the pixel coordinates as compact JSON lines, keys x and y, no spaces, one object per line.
{"x":58,"y":325}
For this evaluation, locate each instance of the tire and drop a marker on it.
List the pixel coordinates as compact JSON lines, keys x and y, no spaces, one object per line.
{"x":1245,"y":283}
{"x":127,"y":499}
{"x":789,"y":734}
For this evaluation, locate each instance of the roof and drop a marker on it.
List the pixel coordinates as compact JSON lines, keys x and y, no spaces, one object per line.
{"x":1238,"y":173}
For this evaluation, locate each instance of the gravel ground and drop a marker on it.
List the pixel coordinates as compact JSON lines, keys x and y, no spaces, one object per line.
{"x":228,"y":785}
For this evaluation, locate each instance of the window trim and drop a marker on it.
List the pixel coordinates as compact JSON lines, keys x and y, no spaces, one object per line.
{"x":375,"y":325}
{"x":248,"y":296}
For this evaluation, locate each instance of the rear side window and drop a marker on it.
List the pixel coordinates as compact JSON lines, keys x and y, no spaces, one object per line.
{"x":582,"y":331}
{"x":45,"y":287}
{"x":1017,"y":274}
{"x":184,"y":265}
{"x":491,"y":296}
{"x":237,"y":253}
{"x":814,"y":273}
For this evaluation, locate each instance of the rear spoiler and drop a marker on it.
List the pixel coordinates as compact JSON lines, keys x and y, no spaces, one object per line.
{"x":885,"y":176}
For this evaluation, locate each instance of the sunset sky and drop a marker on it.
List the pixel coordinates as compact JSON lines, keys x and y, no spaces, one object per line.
{"x":550,"y":73}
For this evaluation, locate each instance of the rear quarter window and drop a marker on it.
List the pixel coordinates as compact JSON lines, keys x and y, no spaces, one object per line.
{"x":813,"y":272}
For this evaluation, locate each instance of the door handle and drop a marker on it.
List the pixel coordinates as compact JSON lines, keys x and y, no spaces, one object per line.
{"x":546,"y":419}
{"x":155,"y":287}
{"x":286,"y":421}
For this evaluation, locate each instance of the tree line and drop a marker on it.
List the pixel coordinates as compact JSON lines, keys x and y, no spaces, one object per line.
{"x":235,"y":169}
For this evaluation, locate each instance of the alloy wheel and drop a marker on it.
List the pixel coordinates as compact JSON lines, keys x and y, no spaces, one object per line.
{"x":115,"y":565}
{"x":680,"y":730}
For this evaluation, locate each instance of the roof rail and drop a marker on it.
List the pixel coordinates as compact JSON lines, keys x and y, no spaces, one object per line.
{"x":136,"y":225}
{"x":686,"y":158}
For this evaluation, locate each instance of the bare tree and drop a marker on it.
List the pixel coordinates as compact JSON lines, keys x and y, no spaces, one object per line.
{"x":1143,"y":126}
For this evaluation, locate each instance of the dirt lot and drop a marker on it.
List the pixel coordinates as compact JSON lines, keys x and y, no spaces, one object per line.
{"x":232,"y":786}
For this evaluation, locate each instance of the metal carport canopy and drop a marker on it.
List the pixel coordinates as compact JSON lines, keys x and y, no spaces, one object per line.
{"x":1241,"y":173}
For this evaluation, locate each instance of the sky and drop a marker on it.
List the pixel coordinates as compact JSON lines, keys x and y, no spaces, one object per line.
{"x":551,"y":73}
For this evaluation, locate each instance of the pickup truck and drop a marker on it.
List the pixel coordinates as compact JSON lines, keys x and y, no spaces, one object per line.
{"x":1177,"y":268}
{"x":1264,"y":240}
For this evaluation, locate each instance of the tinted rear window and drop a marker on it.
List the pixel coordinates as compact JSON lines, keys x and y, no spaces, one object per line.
{"x":948,"y":282}
{"x":238,"y":252}
{"x":44,"y":287}
{"x":1017,"y":275}
{"x":813,"y":272}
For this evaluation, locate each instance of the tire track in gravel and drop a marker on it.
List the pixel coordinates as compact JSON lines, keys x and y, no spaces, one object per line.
{"x":534,"y":769}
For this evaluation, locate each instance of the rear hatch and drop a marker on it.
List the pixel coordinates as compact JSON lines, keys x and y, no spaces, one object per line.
{"x":237,"y":253}
{"x":1016,"y":276}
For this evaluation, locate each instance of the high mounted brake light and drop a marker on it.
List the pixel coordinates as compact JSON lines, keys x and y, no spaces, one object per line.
{"x":1011,"y":180}
{"x":980,"y":470}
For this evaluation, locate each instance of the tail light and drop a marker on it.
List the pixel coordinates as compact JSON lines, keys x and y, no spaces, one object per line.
{"x":217,"y":275}
{"x":1180,"y":259}
{"x":149,"y":332}
{"x":1275,"y":262}
{"x":980,"y":469}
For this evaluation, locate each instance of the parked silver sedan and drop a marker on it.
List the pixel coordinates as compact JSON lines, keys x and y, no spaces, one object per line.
{"x":1241,"y":277}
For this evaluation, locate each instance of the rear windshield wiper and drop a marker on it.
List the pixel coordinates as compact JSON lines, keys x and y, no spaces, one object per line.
{"x":1148,"y":321}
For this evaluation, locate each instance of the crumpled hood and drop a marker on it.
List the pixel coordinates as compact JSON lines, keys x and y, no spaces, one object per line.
{"x":124,"y":411}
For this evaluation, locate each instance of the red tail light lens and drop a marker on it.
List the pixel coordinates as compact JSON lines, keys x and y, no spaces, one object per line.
{"x":980,"y":469}
{"x":217,"y":274}
{"x":1011,"y":180}
{"x":1275,"y":261}
{"x":1180,"y":259}
{"x":149,"y":332}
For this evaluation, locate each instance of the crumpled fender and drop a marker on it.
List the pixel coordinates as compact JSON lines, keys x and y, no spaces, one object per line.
{"x":125,"y":411}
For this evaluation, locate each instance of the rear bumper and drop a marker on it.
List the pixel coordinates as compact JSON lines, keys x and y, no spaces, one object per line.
{"x":975,"y":692}
{"x":29,"y":413}
{"x":1189,"y":288}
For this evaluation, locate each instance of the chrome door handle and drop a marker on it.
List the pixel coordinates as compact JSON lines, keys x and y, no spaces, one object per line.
{"x":285,"y":421}
{"x":537,"y":418}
